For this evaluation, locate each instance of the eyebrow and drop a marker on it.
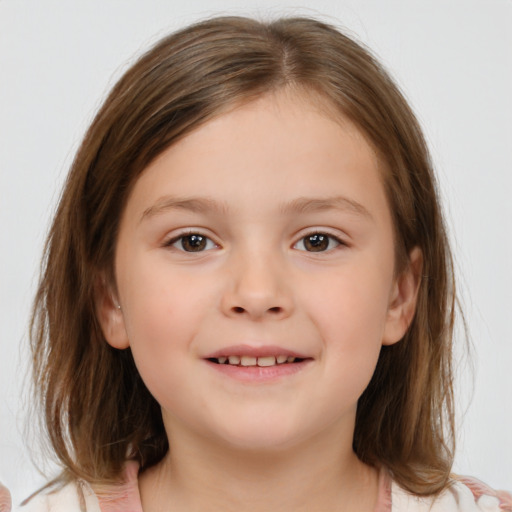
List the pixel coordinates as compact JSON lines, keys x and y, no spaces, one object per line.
{"x":193,"y":204}
{"x":207,"y":205}
{"x":312,"y":204}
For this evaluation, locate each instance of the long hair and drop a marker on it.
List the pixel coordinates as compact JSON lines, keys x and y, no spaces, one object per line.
{"x":97,"y":411}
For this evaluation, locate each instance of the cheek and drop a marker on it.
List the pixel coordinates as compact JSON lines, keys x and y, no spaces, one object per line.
{"x":350,"y":315}
{"x":156,"y":319}
{"x":157,"y":299}
{"x":164,"y":310}
{"x":352,"y":302}
{"x":160,"y":336}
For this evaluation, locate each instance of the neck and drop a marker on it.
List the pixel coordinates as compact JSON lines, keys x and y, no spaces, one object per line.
{"x":199,"y":475}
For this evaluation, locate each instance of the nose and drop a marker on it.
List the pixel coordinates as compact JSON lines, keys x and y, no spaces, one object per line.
{"x":257,"y":288}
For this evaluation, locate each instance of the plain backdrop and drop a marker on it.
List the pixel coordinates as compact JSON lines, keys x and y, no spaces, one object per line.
{"x":451,"y":58}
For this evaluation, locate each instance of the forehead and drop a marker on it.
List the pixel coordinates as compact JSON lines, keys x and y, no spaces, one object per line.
{"x":277,"y":148}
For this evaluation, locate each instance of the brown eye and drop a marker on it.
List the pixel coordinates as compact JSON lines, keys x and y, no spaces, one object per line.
{"x":193,"y":242}
{"x":317,"y":242}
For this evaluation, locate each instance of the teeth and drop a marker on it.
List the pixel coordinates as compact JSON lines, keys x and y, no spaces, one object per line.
{"x":256,"y":361}
{"x":266,"y":361}
{"x":247,"y":361}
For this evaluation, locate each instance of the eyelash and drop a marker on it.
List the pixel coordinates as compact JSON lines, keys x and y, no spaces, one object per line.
{"x":183,"y":236}
{"x":319,"y":234}
{"x":322,"y":235}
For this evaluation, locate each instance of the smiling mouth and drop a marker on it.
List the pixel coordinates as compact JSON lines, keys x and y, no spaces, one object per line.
{"x":264,"y":361}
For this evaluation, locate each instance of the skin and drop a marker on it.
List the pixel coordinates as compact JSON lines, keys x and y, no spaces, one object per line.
{"x":263,"y":177}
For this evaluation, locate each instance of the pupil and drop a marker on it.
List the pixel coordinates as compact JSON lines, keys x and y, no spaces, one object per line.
{"x":316,"y":243}
{"x":193,"y":243}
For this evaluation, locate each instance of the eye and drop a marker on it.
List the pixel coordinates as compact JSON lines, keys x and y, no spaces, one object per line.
{"x":192,"y":242}
{"x":317,"y":242}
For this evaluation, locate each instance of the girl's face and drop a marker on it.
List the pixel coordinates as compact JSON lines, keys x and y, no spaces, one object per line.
{"x":263,"y":236}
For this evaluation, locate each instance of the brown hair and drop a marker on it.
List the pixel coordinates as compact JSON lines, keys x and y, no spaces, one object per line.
{"x":97,"y":410}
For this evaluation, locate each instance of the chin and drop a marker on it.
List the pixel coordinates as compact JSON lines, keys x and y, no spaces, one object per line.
{"x":271,"y":436}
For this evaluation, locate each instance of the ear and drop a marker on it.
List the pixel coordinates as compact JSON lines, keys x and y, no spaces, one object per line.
{"x":110,"y":315}
{"x":403,"y":298}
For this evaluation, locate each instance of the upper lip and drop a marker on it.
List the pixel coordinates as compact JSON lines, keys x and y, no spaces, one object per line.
{"x":260,"y":351}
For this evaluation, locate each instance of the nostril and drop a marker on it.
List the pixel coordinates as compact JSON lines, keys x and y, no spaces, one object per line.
{"x":240,"y":310}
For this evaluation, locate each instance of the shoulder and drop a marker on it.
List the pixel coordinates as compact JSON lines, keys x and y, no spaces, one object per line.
{"x":467,"y":494}
{"x":79,"y":496}
{"x":73,"y":497}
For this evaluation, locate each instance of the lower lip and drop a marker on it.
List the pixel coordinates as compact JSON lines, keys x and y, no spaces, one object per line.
{"x":260,"y":373}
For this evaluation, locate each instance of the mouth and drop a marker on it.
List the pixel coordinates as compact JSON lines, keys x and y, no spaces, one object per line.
{"x":257,"y":364}
{"x":261,"y":361}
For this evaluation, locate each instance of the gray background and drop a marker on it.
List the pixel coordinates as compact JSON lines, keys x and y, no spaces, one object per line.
{"x":452,"y":59}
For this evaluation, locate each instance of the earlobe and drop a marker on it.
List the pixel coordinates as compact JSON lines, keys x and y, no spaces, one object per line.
{"x":110,"y":316}
{"x":403,"y":299}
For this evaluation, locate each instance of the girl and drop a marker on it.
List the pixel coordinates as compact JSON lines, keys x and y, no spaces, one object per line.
{"x":247,"y":301}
